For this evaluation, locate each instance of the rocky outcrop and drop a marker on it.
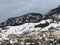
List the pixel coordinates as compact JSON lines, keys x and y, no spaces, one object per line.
{"x":27,"y":18}
{"x":42,"y":25}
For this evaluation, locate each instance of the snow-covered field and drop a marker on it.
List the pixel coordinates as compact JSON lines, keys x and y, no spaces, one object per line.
{"x":27,"y":27}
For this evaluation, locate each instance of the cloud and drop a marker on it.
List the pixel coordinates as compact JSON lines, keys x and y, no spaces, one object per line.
{"x":12,"y":8}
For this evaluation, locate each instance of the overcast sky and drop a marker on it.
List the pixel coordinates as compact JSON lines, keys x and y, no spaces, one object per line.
{"x":12,"y":8}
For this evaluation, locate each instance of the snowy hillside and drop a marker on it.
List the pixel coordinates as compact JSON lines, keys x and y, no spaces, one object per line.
{"x":28,"y":28}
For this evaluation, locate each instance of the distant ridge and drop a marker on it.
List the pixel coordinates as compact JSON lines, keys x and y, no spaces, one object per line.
{"x":53,"y":14}
{"x":27,"y":18}
{"x":32,"y":18}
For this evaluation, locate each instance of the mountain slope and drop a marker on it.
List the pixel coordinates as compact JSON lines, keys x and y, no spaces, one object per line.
{"x":53,"y":14}
{"x":27,"y":18}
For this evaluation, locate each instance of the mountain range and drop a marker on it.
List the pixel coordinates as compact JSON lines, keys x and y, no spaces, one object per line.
{"x":30,"y":24}
{"x":32,"y":18}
